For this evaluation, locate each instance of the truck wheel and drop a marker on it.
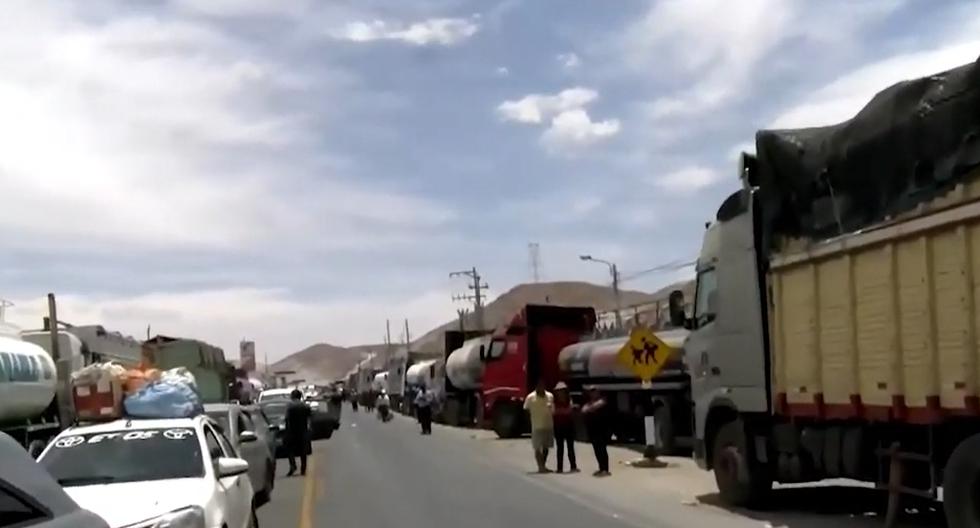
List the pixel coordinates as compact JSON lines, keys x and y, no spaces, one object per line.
{"x":666,"y":438}
{"x":741,"y":480}
{"x":506,"y":421}
{"x":961,"y":485}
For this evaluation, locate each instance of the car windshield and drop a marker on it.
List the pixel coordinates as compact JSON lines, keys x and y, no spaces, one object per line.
{"x":276,"y":411}
{"x":266,"y":397}
{"x":125,"y":456}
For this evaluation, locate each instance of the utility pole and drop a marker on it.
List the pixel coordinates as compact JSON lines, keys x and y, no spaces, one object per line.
{"x":62,"y":365}
{"x":387,"y":341}
{"x":614,"y":271}
{"x":408,"y":337}
{"x":477,"y":297}
{"x":615,"y":278}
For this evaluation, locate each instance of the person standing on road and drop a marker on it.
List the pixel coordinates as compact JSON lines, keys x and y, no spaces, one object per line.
{"x":540,"y":405}
{"x":297,"y":434}
{"x":597,"y":424}
{"x":564,"y":417}
{"x":423,"y":409}
{"x":384,"y":406}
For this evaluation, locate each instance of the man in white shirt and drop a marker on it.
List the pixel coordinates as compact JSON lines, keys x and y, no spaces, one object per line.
{"x":383,"y":403}
{"x":540,"y":406}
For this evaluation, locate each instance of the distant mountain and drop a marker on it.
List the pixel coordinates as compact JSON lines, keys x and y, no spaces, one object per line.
{"x":325,"y":362}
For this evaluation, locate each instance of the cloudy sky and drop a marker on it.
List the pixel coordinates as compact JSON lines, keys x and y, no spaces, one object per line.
{"x":296,"y":171}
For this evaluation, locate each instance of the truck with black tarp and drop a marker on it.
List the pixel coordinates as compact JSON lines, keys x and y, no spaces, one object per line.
{"x":836,"y":322}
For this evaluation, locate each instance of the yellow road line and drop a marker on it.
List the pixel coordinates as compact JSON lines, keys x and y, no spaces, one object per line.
{"x":309,"y":492}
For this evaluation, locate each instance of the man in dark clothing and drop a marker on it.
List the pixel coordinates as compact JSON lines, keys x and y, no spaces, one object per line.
{"x":423,"y":409}
{"x":564,"y":418}
{"x":297,"y":434}
{"x":597,"y":424}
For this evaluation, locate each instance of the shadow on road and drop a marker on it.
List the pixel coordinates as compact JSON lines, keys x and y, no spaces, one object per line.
{"x":841,"y":506}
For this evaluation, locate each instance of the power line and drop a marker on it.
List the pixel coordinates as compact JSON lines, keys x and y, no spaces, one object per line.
{"x":669,"y":266}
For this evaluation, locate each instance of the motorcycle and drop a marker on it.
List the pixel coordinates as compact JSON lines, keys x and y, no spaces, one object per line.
{"x":384,"y":413}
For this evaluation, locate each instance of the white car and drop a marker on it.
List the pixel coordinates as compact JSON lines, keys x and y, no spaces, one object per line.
{"x":269,"y":395}
{"x":154,"y":473}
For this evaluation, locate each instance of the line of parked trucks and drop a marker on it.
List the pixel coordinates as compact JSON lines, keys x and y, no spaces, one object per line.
{"x":835,"y":329}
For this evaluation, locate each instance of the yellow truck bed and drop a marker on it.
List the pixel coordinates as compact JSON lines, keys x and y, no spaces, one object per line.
{"x":882,"y":324}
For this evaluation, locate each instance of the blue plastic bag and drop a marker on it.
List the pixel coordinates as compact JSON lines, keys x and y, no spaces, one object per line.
{"x":164,"y":399}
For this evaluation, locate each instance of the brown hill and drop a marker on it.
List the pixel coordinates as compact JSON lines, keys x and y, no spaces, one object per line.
{"x":325,"y":362}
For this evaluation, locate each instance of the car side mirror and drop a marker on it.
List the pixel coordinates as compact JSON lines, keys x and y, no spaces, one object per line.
{"x":247,"y":437}
{"x":678,"y":318}
{"x":230,"y":467}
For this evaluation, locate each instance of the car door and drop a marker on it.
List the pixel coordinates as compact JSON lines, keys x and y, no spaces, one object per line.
{"x":256,"y":453}
{"x":233,"y":496}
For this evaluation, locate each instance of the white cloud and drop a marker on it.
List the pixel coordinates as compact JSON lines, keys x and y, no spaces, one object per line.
{"x":570,"y":125}
{"x":434,"y":31}
{"x":502,"y":71}
{"x":574,"y":128}
{"x":569,"y":61}
{"x":536,"y":108}
{"x":708,"y":52}
{"x":223,"y":316}
{"x":239,"y":8}
{"x":686,"y":180}
{"x":134,"y":131}
{"x":845,"y":96}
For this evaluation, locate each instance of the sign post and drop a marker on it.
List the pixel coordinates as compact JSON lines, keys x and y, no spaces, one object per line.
{"x":646,"y":355}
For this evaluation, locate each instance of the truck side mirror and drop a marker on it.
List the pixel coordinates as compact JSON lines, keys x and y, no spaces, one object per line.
{"x":483,"y":353}
{"x":675,"y":304}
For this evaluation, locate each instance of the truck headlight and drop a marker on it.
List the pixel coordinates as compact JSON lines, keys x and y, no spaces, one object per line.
{"x":191,"y":517}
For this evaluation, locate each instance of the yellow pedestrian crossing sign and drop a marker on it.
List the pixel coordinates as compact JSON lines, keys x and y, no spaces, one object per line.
{"x":645,"y":354}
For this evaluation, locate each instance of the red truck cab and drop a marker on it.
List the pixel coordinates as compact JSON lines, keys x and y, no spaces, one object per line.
{"x":522,"y":352}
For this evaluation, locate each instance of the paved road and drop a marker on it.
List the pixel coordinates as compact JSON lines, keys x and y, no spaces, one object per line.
{"x":387,"y":475}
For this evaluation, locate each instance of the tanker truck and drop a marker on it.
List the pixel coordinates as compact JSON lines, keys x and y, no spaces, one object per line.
{"x":836,"y":324}
{"x":667,"y":397}
{"x":463,"y":376}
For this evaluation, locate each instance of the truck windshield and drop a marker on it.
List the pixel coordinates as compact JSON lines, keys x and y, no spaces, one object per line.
{"x":125,"y":456}
{"x":496,"y":349}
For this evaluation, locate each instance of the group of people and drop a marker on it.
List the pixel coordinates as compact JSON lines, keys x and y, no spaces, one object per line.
{"x":423,"y":402}
{"x":553,"y":418}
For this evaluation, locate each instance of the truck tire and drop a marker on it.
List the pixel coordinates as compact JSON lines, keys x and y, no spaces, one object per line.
{"x":741,"y":480}
{"x":666,"y":438}
{"x":961,"y":485}
{"x":507,"y":421}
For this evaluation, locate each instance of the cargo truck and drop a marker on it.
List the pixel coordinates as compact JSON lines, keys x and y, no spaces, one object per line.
{"x":522,"y":352}
{"x":836,"y":321}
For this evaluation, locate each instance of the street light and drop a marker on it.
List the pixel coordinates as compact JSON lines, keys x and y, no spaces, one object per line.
{"x":615,"y":284}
